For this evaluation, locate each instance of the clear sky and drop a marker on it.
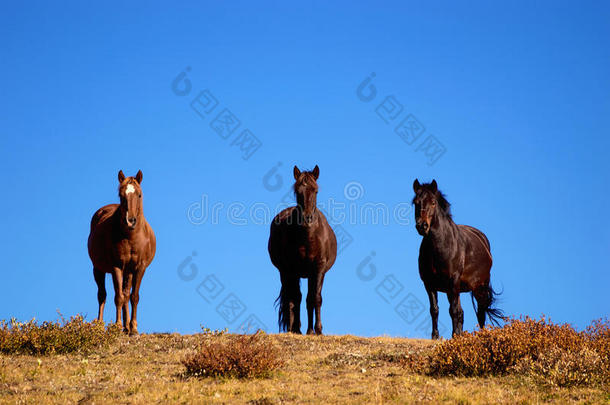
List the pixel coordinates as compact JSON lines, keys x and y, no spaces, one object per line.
{"x":505,"y":105}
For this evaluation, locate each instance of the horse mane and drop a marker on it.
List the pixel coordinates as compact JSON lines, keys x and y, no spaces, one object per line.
{"x":445,"y":205}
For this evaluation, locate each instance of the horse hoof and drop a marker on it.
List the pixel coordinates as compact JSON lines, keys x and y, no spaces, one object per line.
{"x":310,"y":331}
{"x":126,"y":331}
{"x":435,"y":336}
{"x":134,"y":332}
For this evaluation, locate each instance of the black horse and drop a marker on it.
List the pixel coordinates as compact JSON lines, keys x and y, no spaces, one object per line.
{"x":452,"y":259}
{"x":302,"y":245}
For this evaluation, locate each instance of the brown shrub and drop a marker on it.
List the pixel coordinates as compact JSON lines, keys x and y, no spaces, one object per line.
{"x":598,"y":335}
{"x":50,"y":337}
{"x":557,"y":354}
{"x":241,"y":356}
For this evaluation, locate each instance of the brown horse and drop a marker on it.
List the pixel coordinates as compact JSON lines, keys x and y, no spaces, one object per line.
{"x":123,"y":244}
{"x":302,"y":245}
{"x":452,"y":259}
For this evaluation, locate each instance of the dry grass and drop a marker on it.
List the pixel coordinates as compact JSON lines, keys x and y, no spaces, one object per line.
{"x":328,"y":369}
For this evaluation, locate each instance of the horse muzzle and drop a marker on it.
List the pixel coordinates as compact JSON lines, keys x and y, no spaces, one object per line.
{"x":131,"y":222}
{"x":422,"y":228}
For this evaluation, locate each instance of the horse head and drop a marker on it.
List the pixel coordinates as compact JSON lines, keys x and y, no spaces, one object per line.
{"x":430,"y":206}
{"x":306,"y":192}
{"x":130,"y":194}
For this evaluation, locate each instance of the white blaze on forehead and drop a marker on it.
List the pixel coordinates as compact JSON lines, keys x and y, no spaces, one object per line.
{"x":130,"y":189}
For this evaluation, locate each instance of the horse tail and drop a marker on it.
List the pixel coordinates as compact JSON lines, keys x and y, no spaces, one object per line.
{"x":283,"y":314}
{"x":280,"y":304}
{"x":290,"y":292}
{"x":494,"y":314}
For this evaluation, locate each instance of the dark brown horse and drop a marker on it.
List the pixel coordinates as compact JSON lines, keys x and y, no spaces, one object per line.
{"x":302,"y":245}
{"x":452,"y":259}
{"x":123,"y":244}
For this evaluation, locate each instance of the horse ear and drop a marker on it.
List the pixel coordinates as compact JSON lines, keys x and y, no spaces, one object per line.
{"x":316,"y":172}
{"x":121,"y":176}
{"x":139,"y":177}
{"x":434,"y":186}
{"x":416,"y":185}
{"x":296,"y":172}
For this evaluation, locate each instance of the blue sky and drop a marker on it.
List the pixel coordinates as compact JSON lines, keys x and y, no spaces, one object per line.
{"x":515,"y":95}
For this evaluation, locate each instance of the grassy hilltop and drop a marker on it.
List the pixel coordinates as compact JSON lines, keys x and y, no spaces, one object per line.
{"x":290,"y":368}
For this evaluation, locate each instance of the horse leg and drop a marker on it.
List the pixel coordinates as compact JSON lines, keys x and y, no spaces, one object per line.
{"x":100,"y":280}
{"x":314,"y":301}
{"x":290,"y":302}
{"x":481,"y":294}
{"x":318,"y":301}
{"x":295,"y":307}
{"x":311,"y":302}
{"x":455,"y":310}
{"x":117,"y":281}
{"x":126,"y":288}
{"x":433,"y":297}
{"x":135,"y":298}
